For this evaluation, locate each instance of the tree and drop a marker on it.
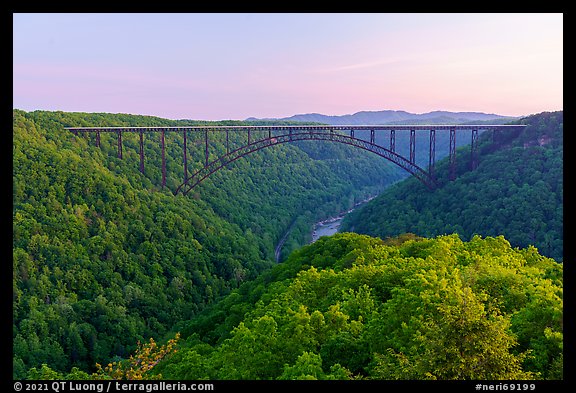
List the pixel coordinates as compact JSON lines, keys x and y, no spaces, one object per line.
{"x":307,"y":366}
{"x":140,"y":365}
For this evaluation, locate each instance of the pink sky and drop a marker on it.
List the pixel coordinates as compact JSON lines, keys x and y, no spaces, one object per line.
{"x":233,"y":66}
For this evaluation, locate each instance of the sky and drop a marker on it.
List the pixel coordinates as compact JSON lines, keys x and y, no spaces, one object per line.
{"x":233,"y":66}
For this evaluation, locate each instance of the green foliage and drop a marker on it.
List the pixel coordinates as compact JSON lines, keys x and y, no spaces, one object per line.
{"x":308,"y":366}
{"x":354,"y":307}
{"x":104,"y":257}
{"x":516,"y":191}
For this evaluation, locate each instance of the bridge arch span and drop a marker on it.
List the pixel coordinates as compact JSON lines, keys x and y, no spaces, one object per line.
{"x":219,"y":163}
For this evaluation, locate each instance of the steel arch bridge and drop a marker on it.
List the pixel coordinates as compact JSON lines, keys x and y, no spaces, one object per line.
{"x":260,"y":137}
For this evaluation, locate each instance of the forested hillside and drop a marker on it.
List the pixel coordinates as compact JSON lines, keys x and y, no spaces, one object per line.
{"x":355,"y":307}
{"x":516,"y":191}
{"x":103,"y":257}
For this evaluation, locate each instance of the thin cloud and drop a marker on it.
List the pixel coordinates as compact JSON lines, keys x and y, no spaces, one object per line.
{"x":366,"y":64}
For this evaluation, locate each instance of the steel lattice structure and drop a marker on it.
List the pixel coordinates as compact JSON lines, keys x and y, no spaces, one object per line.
{"x":274,"y":135}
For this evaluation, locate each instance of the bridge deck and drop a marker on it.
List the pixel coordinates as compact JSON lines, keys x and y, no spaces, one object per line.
{"x":416,"y":127}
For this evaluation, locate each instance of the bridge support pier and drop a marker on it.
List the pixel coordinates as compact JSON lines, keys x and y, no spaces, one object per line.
{"x":393,"y":141}
{"x":432,"y":156}
{"x":163,"y":159}
{"x":452,"y":154}
{"x":120,"y":144}
{"x":185,"y":159}
{"x":141,"y":152}
{"x":227,"y":143}
{"x":474,"y":149}
{"x":412,"y":146}
{"x":206,"y":147}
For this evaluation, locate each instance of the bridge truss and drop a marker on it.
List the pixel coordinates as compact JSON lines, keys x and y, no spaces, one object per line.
{"x":260,"y":137}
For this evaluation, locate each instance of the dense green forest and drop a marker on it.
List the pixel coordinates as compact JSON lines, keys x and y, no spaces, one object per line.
{"x":103,"y":257}
{"x":352,"y":306}
{"x":355,"y":307}
{"x":516,"y":191}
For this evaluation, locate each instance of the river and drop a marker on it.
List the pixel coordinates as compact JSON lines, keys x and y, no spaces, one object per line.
{"x":331,"y":225}
{"x":325,"y":227}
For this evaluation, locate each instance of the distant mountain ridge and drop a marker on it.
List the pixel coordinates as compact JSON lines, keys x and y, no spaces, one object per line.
{"x":397,"y":117}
